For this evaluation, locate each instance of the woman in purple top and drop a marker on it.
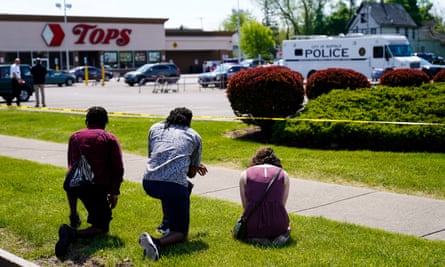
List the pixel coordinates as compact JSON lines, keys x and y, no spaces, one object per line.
{"x":269,"y":223}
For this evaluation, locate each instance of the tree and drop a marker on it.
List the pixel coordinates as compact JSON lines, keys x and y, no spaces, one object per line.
{"x":300,"y":17}
{"x":256,"y":39}
{"x":337,"y":21}
{"x":231,"y":22}
{"x":417,"y":9}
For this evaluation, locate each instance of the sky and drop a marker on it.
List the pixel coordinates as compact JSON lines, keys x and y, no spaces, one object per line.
{"x":196,"y":14}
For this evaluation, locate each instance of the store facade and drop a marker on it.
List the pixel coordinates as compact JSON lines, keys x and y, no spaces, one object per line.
{"x":120,"y":43}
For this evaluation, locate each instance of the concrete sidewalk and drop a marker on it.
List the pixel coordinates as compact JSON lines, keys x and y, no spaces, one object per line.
{"x":399,"y":213}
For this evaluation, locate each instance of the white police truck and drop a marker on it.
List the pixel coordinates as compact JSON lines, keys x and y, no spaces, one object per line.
{"x":367,"y":54}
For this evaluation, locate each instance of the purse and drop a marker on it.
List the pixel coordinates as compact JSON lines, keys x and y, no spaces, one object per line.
{"x":80,"y":175}
{"x":240,"y":229}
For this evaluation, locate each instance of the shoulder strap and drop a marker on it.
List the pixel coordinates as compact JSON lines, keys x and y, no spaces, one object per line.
{"x":265,"y":193}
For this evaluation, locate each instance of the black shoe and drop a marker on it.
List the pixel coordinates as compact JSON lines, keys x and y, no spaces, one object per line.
{"x":75,"y":221}
{"x":163,"y":228}
{"x":66,"y":235}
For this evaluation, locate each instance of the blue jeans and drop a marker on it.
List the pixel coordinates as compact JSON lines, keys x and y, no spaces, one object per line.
{"x":175,"y":200}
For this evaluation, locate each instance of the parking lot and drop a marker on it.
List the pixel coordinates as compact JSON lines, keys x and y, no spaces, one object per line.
{"x":116,"y":96}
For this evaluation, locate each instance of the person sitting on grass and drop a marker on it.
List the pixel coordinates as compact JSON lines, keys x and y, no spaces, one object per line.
{"x":269,"y":222}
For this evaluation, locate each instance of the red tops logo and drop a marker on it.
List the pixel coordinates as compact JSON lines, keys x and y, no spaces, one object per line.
{"x":97,"y":35}
{"x":53,"y":35}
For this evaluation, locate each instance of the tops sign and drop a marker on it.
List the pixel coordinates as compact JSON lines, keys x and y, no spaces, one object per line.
{"x":53,"y":35}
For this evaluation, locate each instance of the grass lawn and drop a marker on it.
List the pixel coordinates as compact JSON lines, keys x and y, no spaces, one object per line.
{"x":419,"y":174}
{"x":33,"y":205}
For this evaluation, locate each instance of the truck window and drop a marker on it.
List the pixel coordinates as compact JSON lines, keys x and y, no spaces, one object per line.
{"x":298,"y":52}
{"x":401,"y":50}
{"x":378,"y":52}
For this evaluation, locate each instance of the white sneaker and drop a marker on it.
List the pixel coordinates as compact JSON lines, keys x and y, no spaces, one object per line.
{"x":150,"y":249}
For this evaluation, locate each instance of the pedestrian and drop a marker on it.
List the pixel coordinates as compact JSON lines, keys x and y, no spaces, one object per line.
{"x":268,"y":223}
{"x":16,"y":80}
{"x":39,"y":75}
{"x":174,"y":153}
{"x":103,"y":152}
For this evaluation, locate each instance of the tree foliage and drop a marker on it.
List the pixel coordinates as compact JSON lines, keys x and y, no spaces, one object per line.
{"x":231,"y":22}
{"x":256,"y":39}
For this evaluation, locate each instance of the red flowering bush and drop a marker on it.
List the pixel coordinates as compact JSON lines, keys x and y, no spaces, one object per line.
{"x":323,"y":81}
{"x":258,"y":94}
{"x":404,"y":78}
{"x":439,"y":77}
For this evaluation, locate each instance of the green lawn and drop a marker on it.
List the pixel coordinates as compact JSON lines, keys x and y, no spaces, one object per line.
{"x":33,"y":205}
{"x":412,"y":173}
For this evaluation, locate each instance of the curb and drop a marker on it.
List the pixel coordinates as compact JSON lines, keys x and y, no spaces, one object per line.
{"x":10,"y":260}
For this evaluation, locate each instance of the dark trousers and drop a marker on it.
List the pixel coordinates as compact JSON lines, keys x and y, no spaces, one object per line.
{"x":15,"y":92}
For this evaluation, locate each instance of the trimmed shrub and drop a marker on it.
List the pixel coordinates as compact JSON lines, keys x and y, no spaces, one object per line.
{"x":385,"y":118}
{"x":268,"y":92}
{"x":439,"y":77}
{"x":323,"y":81}
{"x":404,"y":78}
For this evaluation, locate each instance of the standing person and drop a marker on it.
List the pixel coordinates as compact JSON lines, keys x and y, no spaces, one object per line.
{"x":269,"y":223}
{"x":16,"y":80}
{"x":103,"y":152}
{"x":39,"y":75}
{"x":174,"y":153}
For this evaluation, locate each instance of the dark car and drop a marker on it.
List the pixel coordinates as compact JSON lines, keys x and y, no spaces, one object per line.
{"x":431,"y":57}
{"x":253,"y":63}
{"x":94,"y":74}
{"x":161,"y":72}
{"x":220,"y":76}
{"x":27,"y":88}
{"x":59,"y":78}
{"x":430,"y":69}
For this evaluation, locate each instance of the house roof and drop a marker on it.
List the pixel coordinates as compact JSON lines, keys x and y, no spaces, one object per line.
{"x":385,"y":14}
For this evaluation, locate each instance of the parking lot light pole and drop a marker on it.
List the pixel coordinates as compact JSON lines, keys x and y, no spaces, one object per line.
{"x":65,"y":6}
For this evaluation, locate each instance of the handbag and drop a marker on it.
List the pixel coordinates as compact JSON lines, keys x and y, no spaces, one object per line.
{"x":240,"y":229}
{"x":80,"y":175}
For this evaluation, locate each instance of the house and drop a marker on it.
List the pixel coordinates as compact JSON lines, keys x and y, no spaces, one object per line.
{"x":392,"y":18}
{"x":383,"y":18}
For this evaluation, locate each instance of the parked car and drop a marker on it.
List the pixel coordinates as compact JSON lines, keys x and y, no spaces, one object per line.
{"x":431,"y":57}
{"x":27,"y":88}
{"x":430,"y":69}
{"x":220,"y":75}
{"x":253,"y":63}
{"x":93,"y":73}
{"x":151,"y":73}
{"x":59,"y":78}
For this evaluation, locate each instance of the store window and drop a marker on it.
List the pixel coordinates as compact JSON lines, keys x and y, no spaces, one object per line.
{"x":110,"y":59}
{"x":126,"y":60}
{"x":154,"y":56}
{"x":140,"y":58}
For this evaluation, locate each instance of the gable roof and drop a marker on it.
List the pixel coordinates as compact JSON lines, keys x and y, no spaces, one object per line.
{"x":385,"y":14}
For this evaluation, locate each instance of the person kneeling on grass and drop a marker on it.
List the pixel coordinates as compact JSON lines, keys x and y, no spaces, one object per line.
{"x":269,"y":222}
{"x":174,"y":153}
{"x":104,"y":154}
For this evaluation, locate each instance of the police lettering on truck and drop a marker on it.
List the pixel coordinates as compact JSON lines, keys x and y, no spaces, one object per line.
{"x":368,"y":54}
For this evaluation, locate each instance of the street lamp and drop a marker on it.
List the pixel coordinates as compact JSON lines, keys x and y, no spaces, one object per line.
{"x":65,"y":6}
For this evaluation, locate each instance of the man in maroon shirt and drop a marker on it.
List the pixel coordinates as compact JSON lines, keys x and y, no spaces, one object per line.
{"x":103,"y":152}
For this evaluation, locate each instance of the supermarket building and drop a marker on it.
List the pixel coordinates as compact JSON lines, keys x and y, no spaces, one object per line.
{"x":122,"y":43}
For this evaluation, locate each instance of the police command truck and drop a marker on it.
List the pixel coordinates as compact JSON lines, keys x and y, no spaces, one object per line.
{"x":367,"y":54}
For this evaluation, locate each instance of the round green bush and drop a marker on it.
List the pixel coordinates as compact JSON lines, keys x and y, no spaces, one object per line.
{"x":259,"y":94}
{"x":439,"y":77}
{"x":404,"y":78}
{"x":323,"y":81}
